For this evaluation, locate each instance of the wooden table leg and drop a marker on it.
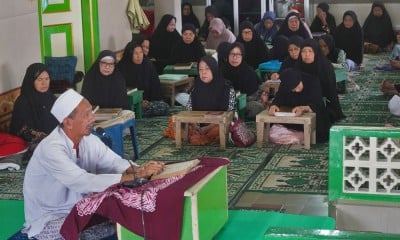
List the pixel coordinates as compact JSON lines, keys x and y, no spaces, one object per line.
{"x":307,"y":136}
{"x":173,"y":96}
{"x":178,"y":134}
{"x":260,"y":134}
{"x":222,"y":136}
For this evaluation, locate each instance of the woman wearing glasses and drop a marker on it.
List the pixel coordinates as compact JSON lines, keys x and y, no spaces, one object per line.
{"x":104,"y":85}
{"x":244,"y":79}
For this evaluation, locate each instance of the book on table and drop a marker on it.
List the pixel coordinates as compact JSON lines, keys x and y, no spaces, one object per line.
{"x":183,"y":66}
{"x":102,"y":114}
{"x":176,"y":169}
{"x":285,"y":111}
{"x":173,"y":77}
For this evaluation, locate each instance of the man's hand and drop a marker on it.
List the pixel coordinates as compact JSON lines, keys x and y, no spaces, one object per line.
{"x":149,"y":168}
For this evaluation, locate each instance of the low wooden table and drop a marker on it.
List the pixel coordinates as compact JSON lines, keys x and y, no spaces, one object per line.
{"x":307,"y":119}
{"x":169,"y":87}
{"x":223,"y":119}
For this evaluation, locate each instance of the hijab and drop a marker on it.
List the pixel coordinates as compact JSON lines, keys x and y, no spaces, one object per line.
{"x":141,"y":76}
{"x":256,"y":50}
{"x":309,"y":96}
{"x":204,"y":30}
{"x":224,"y":34}
{"x":318,"y":26}
{"x":32,"y":108}
{"x":378,"y":30}
{"x":212,"y":96}
{"x":284,"y":29}
{"x":267,"y":34}
{"x":354,"y":49}
{"x":223,"y":52}
{"x":289,"y":62}
{"x":192,"y":18}
{"x":333,"y":51}
{"x":184,"y":53}
{"x":280,"y":48}
{"x":321,"y":70}
{"x":105,"y":91}
{"x":162,"y":41}
{"x":242,"y":77}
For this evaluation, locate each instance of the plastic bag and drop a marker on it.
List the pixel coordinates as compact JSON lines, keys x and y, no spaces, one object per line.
{"x":240,"y":135}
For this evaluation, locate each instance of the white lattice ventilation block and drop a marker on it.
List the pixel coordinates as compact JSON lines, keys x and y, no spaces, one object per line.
{"x":371,"y":165}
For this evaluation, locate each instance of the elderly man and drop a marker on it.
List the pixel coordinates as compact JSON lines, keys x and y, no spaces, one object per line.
{"x":68,"y":164}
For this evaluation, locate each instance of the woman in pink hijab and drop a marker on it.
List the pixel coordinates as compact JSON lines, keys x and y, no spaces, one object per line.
{"x":218,"y":34}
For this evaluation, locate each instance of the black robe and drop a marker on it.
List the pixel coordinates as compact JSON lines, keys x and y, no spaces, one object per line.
{"x":105,"y":91}
{"x":212,"y":96}
{"x":378,"y":30}
{"x":162,"y":42}
{"x":141,"y":76}
{"x":309,"y":96}
{"x":32,"y":108}
{"x":350,"y":39}
{"x":256,"y":51}
{"x":184,"y":53}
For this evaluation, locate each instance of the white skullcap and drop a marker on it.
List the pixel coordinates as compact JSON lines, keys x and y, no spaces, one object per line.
{"x":394,"y":105}
{"x":107,"y":58}
{"x":65,"y":104}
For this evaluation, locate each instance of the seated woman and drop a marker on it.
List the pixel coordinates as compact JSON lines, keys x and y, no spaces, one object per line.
{"x":143,"y":41}
{"x":337,"y":57}
{"x":301,"y":93}
{"x":324,"y":21}
{"x":378,"y":30}
{"x":31,"y":118}
{"x":218,"y":34}
{"x":210,"y":13}
{"x":267,"y":28}
{"x":313,"y":64}
{"x":163,"y":40}
{"x":292,"y":25}
{"x":244,"y":79}
{"x":140,"y":73}
{"x":104,"y":85}
{"x":256,"y":51}
{"x":188,"y":48}
{"x":188,"y":16}
{"x":350,"y":29}
{"x":210,"y":92}
{"x":294,"y":45}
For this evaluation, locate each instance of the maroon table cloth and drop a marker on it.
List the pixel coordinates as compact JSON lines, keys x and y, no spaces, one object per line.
{"x":161,"y":202}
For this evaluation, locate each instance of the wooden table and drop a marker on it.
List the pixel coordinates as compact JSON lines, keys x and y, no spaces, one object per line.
{"x":169,"y":87}
{"x":223,"y":119}
{"x":307,"y":119}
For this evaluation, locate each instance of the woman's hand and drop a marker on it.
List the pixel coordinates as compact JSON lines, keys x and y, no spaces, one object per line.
{"x":145,"y":104}
{"x":273,"y":109}
{"x":275,"y":76}
{"x":299,"y":110}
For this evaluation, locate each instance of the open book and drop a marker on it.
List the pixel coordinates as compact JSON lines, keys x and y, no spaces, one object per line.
{"x":285,"y":111}
{"x":175,"y":169}
{"x":103,"y":114}
{"x":183,"y":66}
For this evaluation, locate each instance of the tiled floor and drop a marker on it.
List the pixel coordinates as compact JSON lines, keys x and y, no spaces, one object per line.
{"x":304,"y":204}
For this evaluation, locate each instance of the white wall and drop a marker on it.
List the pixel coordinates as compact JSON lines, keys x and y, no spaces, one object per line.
{"x":19,"y":41}
{"x":114,"y":28}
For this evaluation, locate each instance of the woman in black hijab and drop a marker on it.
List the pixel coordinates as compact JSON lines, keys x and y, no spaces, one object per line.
{"x":31,"y":118}
{"x":324,"y":21}
{"x":244,"y":79}
{"x":312,"y":64}
{"x":210,"y":91}
{"x":256,"y":51}
{"x":104,"y":85}
{"x":349,"y":37}
{"x":188,"y":16}
{"x":378,"y":28}
{"x":163,"y":40}
{"x":301,"y":93}
{"x":188,"y":48}
{"x":293,"y":25}
{"x":139,"y":72}
{"x":210,"y":13}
